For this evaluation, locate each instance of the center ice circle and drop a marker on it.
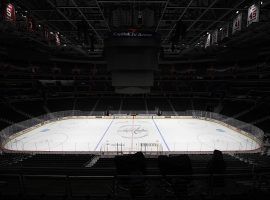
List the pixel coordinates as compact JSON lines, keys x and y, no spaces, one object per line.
{"x":135,"y":131}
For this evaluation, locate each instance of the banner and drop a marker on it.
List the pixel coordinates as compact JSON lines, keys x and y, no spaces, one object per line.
{"x":224,"y":32}
{"x":253,"y":14}
{"x":31,"y":24}
{"x":57,"y":39}
{"x":215,"y":37}
{"x":208,"y":40}
{"x":237,"y":23}
{"x":10,"y":13}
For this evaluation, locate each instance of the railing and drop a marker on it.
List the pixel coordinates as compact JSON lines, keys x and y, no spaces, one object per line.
{"x":250,"y":130}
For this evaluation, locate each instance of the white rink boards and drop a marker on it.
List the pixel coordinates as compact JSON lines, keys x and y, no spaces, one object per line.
{"x":107,"y":134}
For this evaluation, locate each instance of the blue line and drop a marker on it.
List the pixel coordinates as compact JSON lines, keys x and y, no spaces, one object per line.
{"x":161,"y":135}
{"x":103,"y":135}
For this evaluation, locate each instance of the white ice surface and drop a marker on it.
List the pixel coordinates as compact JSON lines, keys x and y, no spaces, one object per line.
{"x":131,"y":135}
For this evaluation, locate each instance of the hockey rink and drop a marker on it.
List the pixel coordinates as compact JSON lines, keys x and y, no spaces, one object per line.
{"x":131,"y":135}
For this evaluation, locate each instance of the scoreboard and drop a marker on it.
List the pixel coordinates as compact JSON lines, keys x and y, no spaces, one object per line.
{"x":132,"y":58}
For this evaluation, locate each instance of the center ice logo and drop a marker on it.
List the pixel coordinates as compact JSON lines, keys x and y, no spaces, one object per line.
{"x":135,"y":131}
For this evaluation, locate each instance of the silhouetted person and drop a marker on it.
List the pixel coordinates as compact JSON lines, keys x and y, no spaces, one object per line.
{"x":137,"y":182}
{"x":122,"y":165}
{"x":176,"y":165}
{"x":216,"y":165}
{"x":135,"y":166}
{"x":107,"y":112}
{"x":139,"y":162}
{"x":181,"y":166}
{"x":163,"y":164}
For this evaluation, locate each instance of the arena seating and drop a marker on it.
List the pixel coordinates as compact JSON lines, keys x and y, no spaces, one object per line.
{"x":55,"y":160}
{"x":7,"y":160}
{"x":29,"y":109}
{"x":232,"y":108}
{"x":58,"y":105}
{"x":131,"y":104}
{"x":181,"y":104}
{"x":198,"y":161}
{"x":108,"y":104}
{"x":199,"y":164}
{"x":66,"y":176}
{"x":85,"y":104}
{"x":260,"y":162}
{"x":154,"y":103}
{"x":8,"y":115}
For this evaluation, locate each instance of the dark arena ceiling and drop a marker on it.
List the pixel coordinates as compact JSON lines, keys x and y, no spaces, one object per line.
{"x":197,"y":18}
{"x":235,"y":67}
